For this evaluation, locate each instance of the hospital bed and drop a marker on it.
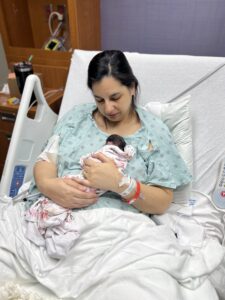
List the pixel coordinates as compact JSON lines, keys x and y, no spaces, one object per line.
{"x":188,"y":93}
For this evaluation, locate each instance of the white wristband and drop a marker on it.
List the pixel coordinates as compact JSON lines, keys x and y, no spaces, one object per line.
{"x":124,"y":180}
{"x":130,"y":188}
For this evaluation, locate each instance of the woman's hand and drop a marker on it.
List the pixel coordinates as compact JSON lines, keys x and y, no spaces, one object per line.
{"x":68,"y":192}
{"x":102,"y":175}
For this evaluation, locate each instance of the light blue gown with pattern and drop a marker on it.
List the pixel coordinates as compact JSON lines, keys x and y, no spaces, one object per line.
{"x":162,"y":165}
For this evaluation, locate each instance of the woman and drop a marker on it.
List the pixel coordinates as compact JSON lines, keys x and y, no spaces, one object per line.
{"x":153,"y":173}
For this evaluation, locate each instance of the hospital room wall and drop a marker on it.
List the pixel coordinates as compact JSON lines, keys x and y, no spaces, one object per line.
{"x":194,"y":27}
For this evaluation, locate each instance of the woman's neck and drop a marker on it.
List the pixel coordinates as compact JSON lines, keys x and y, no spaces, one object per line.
{"x":127,"y":126}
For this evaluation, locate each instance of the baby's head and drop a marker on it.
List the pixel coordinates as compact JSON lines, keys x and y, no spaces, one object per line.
{"x":116,"y":140}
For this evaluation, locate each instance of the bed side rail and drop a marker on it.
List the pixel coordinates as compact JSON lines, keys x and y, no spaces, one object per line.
{"x":28,"y":138}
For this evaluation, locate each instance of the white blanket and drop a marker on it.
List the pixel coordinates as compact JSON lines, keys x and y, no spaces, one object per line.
{"x":119,"y":255}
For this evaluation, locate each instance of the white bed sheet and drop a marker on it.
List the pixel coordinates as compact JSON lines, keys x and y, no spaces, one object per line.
{"x":118,"y":255}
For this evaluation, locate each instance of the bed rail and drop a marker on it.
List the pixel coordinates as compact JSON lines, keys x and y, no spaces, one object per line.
{"x":28,"y":138}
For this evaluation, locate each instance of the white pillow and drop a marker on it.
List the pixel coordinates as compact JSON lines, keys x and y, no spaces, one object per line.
{"x":192,"y":216}
{"x":176,"y":115}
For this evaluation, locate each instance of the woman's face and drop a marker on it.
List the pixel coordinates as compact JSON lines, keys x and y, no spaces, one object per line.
{"x":114,"y":100}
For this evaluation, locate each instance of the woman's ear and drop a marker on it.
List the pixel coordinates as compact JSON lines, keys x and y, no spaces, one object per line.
{"x":133,"y":90}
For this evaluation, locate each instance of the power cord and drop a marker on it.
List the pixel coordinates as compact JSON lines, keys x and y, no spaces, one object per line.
{"x":60,"y":19}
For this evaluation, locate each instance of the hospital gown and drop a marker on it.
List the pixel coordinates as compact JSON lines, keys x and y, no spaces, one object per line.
{"x":156,"y":160}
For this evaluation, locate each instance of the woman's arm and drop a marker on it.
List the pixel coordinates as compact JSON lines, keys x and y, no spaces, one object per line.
{"x":66,"y":192}
{"x":105,"y":175}
{"x":153,"y":199}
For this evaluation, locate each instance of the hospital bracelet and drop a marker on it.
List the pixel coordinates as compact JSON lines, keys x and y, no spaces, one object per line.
{"x":136,"y":195}
{"x":131,"y":186}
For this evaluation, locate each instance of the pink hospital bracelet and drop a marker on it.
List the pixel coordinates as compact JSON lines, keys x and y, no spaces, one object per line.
{"x":136,"y":195}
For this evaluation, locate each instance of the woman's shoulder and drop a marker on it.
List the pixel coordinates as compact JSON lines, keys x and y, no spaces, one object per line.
{"x":79,"y":110}
{"x":75,"y":115}
{"x":149,"y":119}
{"x":154,"y":126}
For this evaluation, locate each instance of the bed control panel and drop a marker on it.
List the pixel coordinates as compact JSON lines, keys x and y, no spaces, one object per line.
{"x":218,"y":196}
{"x":17,"y":180}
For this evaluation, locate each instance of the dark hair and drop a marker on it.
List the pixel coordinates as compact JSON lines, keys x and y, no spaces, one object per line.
{"x":111,"y":63}
{"x":116,"y":140}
